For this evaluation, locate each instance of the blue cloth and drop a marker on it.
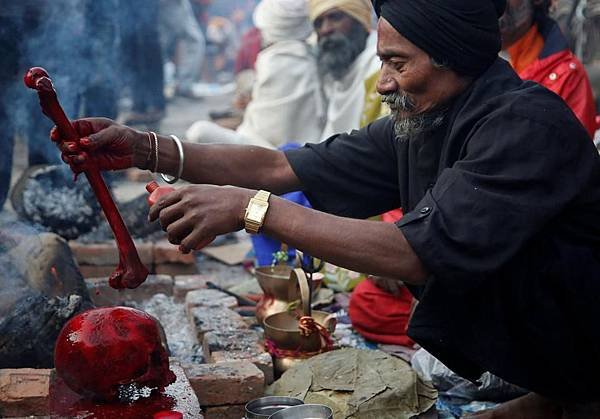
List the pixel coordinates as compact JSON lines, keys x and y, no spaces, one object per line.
{"x":264,"y":246}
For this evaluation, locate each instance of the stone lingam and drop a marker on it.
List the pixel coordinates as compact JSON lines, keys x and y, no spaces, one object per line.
{"x":113,"y":362}
{"x":105,"y":353}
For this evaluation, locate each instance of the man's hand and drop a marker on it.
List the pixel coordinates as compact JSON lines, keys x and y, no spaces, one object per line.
{"x":103,"y":144}
{"x":193,"y":216}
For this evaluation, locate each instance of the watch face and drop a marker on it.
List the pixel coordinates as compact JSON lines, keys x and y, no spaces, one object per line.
{"x":257,"y":211}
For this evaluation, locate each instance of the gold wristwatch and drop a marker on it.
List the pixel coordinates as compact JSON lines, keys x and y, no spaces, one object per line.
{"x":256,"y":212}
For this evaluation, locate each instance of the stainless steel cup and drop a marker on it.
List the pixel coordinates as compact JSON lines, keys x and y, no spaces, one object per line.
{"x":305,"y":411}
{"x":264,"y":407}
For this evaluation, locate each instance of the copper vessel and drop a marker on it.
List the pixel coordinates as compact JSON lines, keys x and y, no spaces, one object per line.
{"x":283,"y":328}
{"x":275,"y":283}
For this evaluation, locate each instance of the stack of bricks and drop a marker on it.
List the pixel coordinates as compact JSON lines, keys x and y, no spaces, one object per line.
{"x":161,"y":257}
{"x":237,"y":367}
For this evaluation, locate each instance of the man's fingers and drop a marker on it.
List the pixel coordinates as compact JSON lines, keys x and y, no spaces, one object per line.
{"x":197,"y":239}
{"x":88,"y":126}
{"x":178,"y":230}
{"x":162,"y":203}
{"x":171,"y":214}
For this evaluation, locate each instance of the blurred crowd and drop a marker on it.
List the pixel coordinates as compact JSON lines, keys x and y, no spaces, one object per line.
{"x":298,"y":70}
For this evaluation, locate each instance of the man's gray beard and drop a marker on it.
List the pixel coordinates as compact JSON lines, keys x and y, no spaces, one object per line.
{"x":337,"y":52}
{"x":407,"y":127}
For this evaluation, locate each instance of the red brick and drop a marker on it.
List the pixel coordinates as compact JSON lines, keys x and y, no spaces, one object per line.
{"x":225,"y":412}
{"x":24,"y":392}
{"x":107,"y":253}
{"x":207,"y":319}
{"x":175,"y":269}
{"x":187,"y":283}
{"x":165,"y":252}
{"x":241,"y":345}
{"x":226,"y":383}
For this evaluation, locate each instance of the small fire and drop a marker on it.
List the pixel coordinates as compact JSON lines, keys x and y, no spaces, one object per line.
{"x":54,"y":272}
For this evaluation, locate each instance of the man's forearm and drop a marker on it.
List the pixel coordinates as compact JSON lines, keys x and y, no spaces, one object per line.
{"x":225,"y":164}
{"x":371,"y":247}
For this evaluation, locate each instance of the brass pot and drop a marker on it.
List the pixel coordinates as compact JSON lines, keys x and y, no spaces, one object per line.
{"x":275,"y":283}
{"x":284,"y":328}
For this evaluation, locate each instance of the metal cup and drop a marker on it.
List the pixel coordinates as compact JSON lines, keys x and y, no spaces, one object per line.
{"x":305,"y":411}
{"x":264,"y":407}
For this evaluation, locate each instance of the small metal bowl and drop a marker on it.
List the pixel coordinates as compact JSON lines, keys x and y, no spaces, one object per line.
{"x":264,"y":407}
{"x":305,"y":411}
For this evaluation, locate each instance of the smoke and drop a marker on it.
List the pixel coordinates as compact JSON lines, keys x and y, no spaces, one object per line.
{"x":17,"y":240}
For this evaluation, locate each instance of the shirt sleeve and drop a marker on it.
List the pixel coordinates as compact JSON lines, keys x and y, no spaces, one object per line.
{"x":509,"y":184}
{"x":352,"y":175}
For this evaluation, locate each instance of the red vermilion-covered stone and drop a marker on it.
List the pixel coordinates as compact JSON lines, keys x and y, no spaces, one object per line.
{"x":102,"y":349}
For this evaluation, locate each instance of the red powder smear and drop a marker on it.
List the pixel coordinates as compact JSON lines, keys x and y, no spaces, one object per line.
{"x":102,"y":349}
{"x":168,"y":414}
{"x":67,"y":403}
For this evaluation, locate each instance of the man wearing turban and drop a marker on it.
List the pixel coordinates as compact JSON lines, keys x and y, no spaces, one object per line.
{"x":502,"y":253}
{"x":539,"y":52}
{"x":348,"y":63}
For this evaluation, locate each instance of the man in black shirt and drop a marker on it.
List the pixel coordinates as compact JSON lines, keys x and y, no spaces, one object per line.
{"x":498,"y":180}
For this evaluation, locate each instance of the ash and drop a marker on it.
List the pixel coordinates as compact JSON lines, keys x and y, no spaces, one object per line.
{"x":129,"y":393}
{"x":52,"y":200}
{"x":181,"y":337}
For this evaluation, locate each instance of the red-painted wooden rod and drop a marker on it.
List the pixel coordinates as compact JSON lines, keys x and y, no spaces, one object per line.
{"x":131,"y":272}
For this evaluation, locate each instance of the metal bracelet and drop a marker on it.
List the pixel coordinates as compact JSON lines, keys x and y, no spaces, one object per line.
{"x":155,"y":151}
{"x":149,"y":156}
{"x":179,"y":145}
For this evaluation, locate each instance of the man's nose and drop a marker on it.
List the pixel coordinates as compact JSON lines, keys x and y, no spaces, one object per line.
{"x":386,"y":84}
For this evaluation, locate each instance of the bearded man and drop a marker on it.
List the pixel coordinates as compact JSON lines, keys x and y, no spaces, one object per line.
{"x":538,"y":51}
{"x":502,"y":253}
{"x":347,"y":62}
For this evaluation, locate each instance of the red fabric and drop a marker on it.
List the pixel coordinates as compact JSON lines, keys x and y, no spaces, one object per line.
{"x":564,"y":74}
{"x":250,"y":47}
{"x":380,"y":316}
{"x":392,"y":216}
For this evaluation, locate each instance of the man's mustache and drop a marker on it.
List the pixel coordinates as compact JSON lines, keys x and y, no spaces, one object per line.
{"x":399,"y":101}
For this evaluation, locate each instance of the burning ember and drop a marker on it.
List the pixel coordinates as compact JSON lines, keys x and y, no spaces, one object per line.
{"x":112,"y":354}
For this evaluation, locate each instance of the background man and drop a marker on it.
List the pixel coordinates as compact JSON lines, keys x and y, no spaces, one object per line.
{"x":502,"y":253}
{"x":347,"y":61}
{"x":539,"y":52}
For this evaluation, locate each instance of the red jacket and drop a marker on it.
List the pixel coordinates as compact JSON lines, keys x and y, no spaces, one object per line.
{"x":559,"y":70}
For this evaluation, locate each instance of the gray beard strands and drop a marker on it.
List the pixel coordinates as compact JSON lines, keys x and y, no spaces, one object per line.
{"x":407,"y":127}
{"x":337,"y":52}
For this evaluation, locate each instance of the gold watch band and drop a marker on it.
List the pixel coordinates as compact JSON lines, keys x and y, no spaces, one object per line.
{"x":256,"y":212}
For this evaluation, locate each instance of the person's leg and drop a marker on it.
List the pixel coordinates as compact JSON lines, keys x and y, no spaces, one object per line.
{"x":192,"y":46}
{"x":150,"y":61}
